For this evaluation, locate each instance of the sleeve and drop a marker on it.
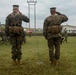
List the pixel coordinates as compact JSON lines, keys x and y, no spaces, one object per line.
{"x":45,"y":28}
{"x":7,"y":26}
{"x":25,"y":18}
{"x":64,"y":18}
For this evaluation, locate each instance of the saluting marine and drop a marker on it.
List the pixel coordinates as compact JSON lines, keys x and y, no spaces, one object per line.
{"x":14,"y":29}
{"x":51,"y":31}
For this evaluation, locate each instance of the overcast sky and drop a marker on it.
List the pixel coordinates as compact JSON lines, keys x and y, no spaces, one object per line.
{"x":66,"y":7}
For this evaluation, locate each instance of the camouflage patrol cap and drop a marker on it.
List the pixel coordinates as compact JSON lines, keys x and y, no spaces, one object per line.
{"x":15,"y":5}
{"x":53,"y":9}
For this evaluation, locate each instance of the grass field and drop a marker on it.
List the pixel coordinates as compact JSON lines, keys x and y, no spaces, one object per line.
{"x":35,"y":58}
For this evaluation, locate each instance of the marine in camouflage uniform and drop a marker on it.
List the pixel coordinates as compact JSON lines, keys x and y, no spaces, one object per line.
{"x":53,"y":36}
{"x":65,"y":35}
{"x":13,"y":21}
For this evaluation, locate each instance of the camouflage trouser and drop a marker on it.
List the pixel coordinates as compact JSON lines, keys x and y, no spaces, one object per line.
{"x":65,"y":39}
{"x":16,"y":42}
{"x":54,"y":43}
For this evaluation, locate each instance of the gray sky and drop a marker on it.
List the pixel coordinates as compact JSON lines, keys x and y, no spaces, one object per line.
{"x":66,"y":7}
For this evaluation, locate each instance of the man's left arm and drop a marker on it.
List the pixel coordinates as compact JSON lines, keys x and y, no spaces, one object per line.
{"x":45,"y":26}
{"x":7,"y":26}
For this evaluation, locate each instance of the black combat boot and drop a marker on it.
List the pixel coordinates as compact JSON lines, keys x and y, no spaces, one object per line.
{"x":14,"y":62}
{"x":52,"y":61}
{"x":56,"y":62}
{"x":19,"y":62}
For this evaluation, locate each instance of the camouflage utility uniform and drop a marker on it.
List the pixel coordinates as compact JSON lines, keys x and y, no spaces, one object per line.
{"x":65,"y":35}
{"x":53,"y":38}
{"x":16,"y":39}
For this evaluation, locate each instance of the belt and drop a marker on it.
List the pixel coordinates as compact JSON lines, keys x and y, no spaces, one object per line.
{"x":15,"y":25}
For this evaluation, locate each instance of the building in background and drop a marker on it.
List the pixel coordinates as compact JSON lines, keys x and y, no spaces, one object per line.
{"x":69,"y":28}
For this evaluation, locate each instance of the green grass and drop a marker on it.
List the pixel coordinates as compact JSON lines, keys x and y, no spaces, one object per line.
{"x":35,"y":58}
{"x":2,"y":27}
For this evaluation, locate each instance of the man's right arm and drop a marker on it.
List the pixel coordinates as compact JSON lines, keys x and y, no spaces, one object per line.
{"x":63,"y":17}
{"x":25,"y":18}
